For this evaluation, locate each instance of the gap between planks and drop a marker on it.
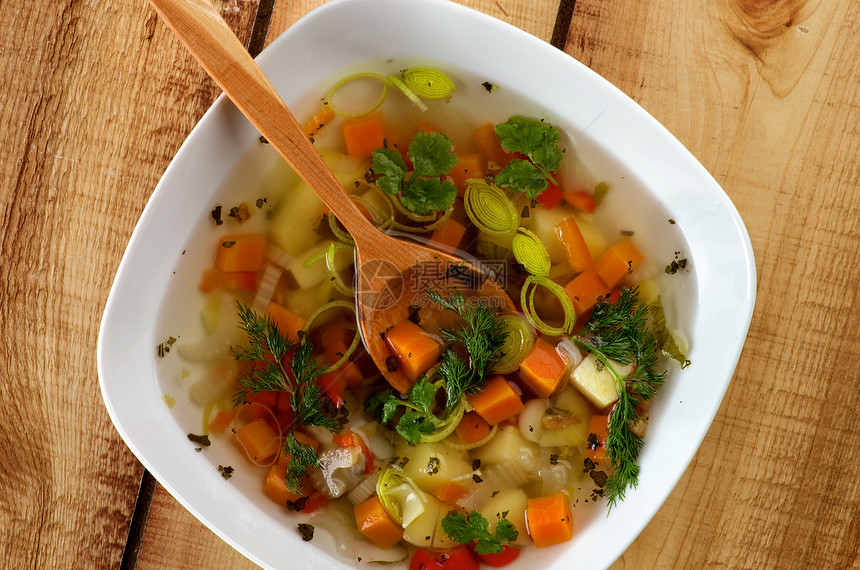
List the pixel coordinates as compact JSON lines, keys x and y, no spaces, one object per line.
{"x":146,"y":490}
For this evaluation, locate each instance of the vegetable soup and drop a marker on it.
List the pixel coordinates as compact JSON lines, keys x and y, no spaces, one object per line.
{"x":494,"y":432}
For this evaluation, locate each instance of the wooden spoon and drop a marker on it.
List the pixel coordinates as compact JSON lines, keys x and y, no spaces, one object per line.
{"x":391,"y":274}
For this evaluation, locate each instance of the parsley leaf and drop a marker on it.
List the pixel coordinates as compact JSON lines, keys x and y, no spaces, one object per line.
{"x":423,"y":191}
{"x":539,"y":142}
{"x":473,"y":526}
{"x":523,"y":176}
{"x":423,"y":394}
{"x":431,"y":154}
{"x":413,"y":425}
{"x":417,"y":417}
{"x":390,"y":170}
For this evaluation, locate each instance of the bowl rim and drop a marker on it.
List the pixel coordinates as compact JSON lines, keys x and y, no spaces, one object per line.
{"x":113,"y":330}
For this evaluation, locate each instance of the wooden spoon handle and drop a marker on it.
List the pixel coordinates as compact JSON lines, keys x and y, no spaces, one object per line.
{"x":199,"y":26}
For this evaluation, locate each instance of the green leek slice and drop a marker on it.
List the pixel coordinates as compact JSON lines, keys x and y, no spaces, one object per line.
{"x":348,"y":79}
{"x":429,"y":83}
{"x":410,"y":94}
{"x":489,"y":208}
{"x":394,"y":490}
{"x":530,"y":252}
{"x":317,"y":316}
{"x":518,"y":344}
{"x":527,"y":295}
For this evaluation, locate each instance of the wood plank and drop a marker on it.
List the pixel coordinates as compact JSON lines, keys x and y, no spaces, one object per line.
{"x":537,"y":17}
{"x":90,"y":120}
{"x":765,"y":95}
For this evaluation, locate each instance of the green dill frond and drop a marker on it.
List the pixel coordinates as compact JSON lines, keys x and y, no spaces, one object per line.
{"x":302,"y":456}
{"x":285,"y":366}
{"x":620,"y":331}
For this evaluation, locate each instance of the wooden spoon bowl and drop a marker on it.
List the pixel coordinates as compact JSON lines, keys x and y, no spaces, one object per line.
{"x":392,"y":274}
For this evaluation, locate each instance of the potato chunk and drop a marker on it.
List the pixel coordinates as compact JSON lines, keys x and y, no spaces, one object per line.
{"x":596,"y":381}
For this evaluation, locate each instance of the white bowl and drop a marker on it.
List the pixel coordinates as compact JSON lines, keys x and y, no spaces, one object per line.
{"x":653,"y":179}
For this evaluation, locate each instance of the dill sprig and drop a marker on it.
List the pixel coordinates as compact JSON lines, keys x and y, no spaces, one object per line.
{"x":285,"y":366}
{"x":619,"y":331}
{"x":482,"y":334}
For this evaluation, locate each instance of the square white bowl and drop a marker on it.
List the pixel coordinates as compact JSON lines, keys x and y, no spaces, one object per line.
{"x":653,"y":178}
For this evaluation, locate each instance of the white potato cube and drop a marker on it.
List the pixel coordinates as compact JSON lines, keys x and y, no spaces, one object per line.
{"x":596,"y":381}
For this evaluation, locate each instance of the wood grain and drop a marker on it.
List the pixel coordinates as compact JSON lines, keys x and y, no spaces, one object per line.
{"x":765,"y":95}
{"x":96,"y":97}
{"x":92,"y":108}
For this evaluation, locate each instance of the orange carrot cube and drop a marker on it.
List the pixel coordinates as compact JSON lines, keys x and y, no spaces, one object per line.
{"x":543,"y":368}
{"x":585,"y":290}
{"x":244,"y":252}
{"x":415,"y":349}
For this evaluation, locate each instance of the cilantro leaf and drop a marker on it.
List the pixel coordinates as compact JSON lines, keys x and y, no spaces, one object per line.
{"x":539,"y":142}
{"x":431,"y":154}
{"x":524,"y":176}
{"x":464,"y":528}
{"x":423,"y":394}
{"x":423,"y":195}
{"x":390,"y":170}
{"x":413,"y":425}
{"x":375,"y":402}
{"x":423,"y":191}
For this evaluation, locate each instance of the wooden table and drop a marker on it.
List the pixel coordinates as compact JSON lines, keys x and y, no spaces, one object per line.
{"x":97,"y":95}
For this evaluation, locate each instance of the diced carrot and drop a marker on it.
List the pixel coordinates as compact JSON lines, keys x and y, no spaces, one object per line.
{"x":550,"y":197}
{"x":334,"y":386}
{"x":549,"y":520}
{"x":320,"y":119}
{"x":287,"y":321}
{"x":574,"y":245}
{"x":268,"y":398}
{"x":415,"y":349}
{"x":258,"y":440}
{"x":429,"y":128}
{"x":497,"y":401}
{"x":363,"y":135}
{"x":316,"y":500}
{"x":335,"y":331}
{"x":595,"y":443}
{"x":275,"y":486}
{"x":617,"y":261}
{"x":543,"y":368}
{"x":336,"y":349}
{"x":450,"y":233}
{"x":234,"y":281}
{"x":374,"y":523}
{"x":349,"y":373}
{"x":221,"y":422}
{"x":284,"y":412}
{"x":243,"y":252}
{"x":468,"y":166}
{"x":585,"y":290}
{"x":581,"y":200}
{"x":472,"y":428}
{"x":450,"y":493}
{"x":489,"y":146}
